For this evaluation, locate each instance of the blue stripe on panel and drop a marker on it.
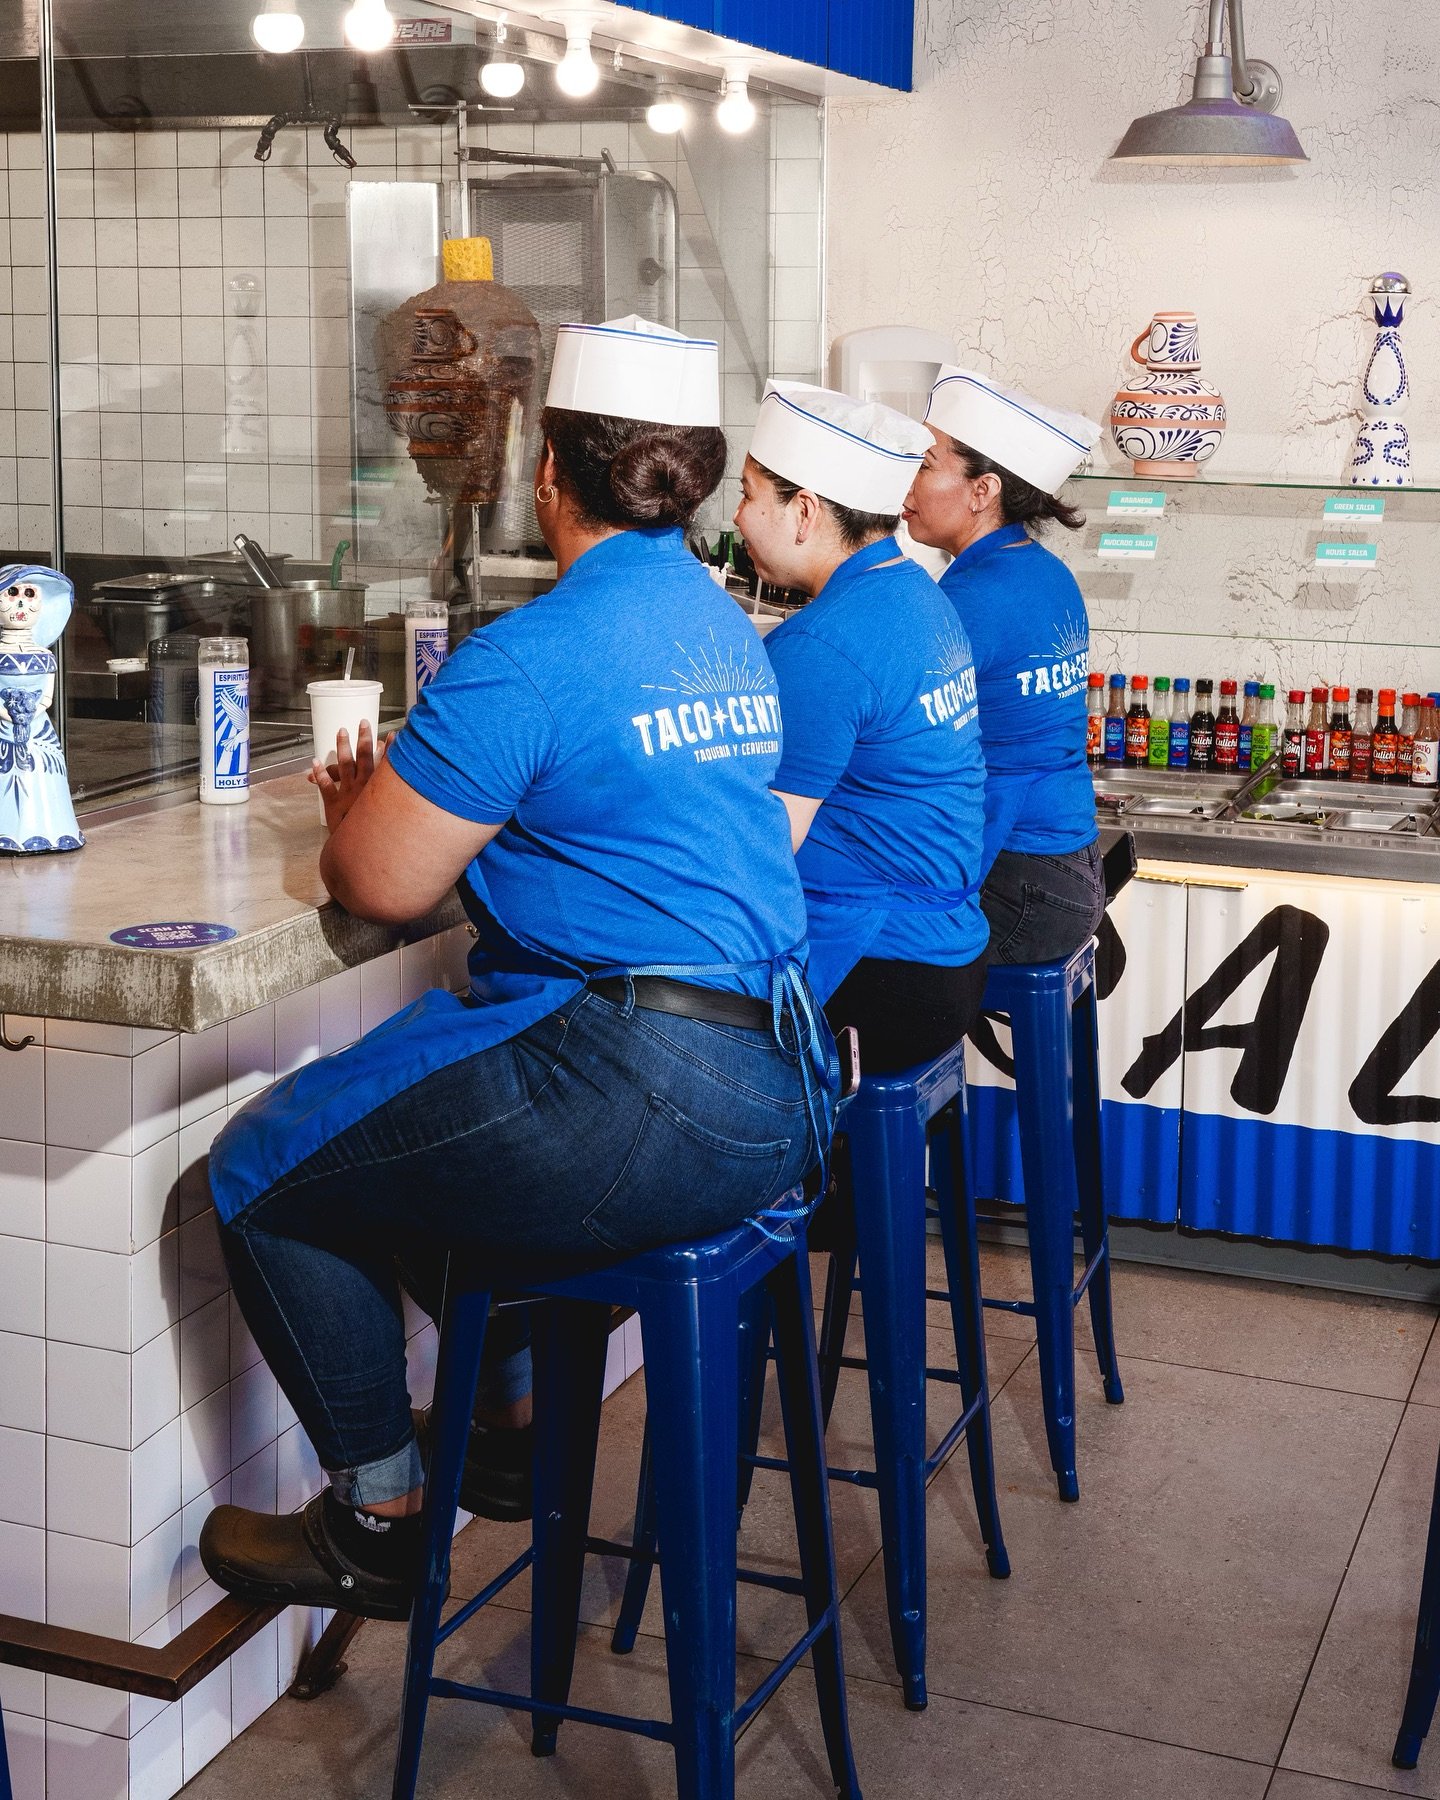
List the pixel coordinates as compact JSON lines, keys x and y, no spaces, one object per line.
{"x":1142,"y":1154}
{"x":1349,"y":1190}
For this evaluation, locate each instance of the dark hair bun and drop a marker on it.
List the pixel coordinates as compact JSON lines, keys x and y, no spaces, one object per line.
{"x":661,"y":479}
{"x":632,"y":471}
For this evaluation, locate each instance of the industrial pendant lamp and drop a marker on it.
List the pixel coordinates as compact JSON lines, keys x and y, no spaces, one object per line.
{"x":1230,"y":119}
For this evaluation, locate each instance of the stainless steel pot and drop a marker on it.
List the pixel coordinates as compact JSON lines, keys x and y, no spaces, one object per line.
{"x":300,"y":633}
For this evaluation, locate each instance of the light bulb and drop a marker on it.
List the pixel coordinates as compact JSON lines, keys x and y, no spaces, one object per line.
{"x":736,"y":112}
{"x":666,"y":115}
{"x":278,"y":28}
{"x":501,"y":78}
{"x":369,"y":25}
{"x":576,"y":74}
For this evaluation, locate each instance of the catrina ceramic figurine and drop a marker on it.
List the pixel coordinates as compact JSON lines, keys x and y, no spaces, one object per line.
{"x":36,"y":812}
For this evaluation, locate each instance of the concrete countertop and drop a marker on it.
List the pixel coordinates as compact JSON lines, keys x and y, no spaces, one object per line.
{"x":254,"y":867}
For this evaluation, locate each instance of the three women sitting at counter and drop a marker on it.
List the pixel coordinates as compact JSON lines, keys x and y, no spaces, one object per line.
{"x":642,"y":1056}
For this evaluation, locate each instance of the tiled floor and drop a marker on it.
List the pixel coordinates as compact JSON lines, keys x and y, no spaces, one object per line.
{"x":1226,"y":1615}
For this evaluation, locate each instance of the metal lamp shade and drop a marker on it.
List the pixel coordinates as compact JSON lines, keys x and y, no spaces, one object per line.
{"x":1212,"y":132}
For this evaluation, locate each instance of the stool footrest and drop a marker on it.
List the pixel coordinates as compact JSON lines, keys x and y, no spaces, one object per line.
{"x":750,"y":1706}
{"x":660,"y":1729}
{"x":486,"y":1595}
{"x":781,"y":1584}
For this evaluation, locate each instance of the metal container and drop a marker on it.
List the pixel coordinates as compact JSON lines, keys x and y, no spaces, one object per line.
{"x":298,"y":634}
{"x":133,"y":610}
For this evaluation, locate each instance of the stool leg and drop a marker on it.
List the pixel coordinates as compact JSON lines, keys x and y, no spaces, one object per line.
{"x":1043,"y":1075}
{"x":961,"y":1238}
{"x":637,"y":1576}
{"x":1090,"y":1178}
{"x":692,"y":1386}
{"x":839,"y":1293}
{"x":754,"y":1347}
{"x":462,"y":1338}
{"x":797,"y":1374}
{"x":5,"y":1789}
{"x":887,"y":1152}
{"x":569,"y":1351}
{"x":1425,"y":1666}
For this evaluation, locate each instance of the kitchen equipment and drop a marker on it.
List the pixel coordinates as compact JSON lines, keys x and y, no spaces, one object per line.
{"x":299,"y":633}
{"x":256,"y":561}
{"x":1169,"y":420}
{"x":132,"y":610}
{"x":221,"y":565}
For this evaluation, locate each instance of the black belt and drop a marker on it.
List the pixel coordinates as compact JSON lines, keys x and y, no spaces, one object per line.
{"x":717,"y":1006}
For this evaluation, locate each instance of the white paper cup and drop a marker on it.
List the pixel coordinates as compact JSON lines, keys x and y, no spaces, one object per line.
{"x":337,"y":706}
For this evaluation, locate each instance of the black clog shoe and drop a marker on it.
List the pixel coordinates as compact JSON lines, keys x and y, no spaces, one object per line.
{"x":293,"y":1560}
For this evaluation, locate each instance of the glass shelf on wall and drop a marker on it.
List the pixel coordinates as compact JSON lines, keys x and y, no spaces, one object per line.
{"x":1223,"y":478}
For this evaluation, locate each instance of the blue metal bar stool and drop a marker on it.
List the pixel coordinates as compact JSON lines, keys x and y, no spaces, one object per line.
{"x":1057,"y":1090}
{"x":1424,"y":1686}
{"x":887,"y":1127}
{"x":5,"y":1789}
{"x":689,"y":1298}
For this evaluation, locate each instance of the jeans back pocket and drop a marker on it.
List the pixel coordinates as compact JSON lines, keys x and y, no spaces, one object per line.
{"x":682,"y":1180}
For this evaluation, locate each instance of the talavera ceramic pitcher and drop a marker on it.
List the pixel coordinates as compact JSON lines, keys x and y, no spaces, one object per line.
{"x":1168,"y":420}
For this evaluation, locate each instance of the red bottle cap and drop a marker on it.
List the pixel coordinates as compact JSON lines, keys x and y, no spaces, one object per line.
{"x":1295,"y":696}
{"x":1341,"y":693}
{"x":1139,"y":681}
{"x":1319,"y":693}
{"x":1227,"y":687}
{"x":1427,"y":701}
{"x":1097,"y":681}
{"x":1387,"y":700}
{"x":1410,"y":699}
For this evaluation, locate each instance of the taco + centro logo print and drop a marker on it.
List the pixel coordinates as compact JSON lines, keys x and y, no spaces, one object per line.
{"x":725,"y":706}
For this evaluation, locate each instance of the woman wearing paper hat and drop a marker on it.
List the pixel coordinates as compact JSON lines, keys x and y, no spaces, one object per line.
{"x":881,"y":770}
{"x":991,"y":477}
{"x":594,"y":770}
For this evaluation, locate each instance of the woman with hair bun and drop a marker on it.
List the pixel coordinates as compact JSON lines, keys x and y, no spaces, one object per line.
{"x":991,"y":479}
{"x":594,"y":772}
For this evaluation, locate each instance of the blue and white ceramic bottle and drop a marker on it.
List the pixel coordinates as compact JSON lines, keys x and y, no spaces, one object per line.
{"x":1381,"y":457}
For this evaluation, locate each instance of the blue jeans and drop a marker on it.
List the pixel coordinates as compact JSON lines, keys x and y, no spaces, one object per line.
{"x":603,"y":1130}
{"x":1041,"y":908}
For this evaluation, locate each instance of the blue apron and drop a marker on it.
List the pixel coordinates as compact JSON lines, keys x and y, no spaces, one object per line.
{"x":513,"y":985}
{"x":845,"y":922}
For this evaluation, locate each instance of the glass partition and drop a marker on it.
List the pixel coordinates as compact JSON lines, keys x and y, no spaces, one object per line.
{"x":238,"y":354}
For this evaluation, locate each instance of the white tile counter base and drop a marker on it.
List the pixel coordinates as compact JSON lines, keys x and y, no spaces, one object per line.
{"x":132,"y":1396}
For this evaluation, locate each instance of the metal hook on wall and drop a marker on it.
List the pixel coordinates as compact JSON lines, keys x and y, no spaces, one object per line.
{"x":5,"y":1043}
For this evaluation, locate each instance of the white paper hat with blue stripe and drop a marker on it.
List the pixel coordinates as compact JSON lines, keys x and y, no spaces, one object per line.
{"x":632,"y":368}
{"x":1039,"y":443}
{"x":855,"y":452}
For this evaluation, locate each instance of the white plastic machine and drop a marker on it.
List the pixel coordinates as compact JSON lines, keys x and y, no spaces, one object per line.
{"x":896,"y":365}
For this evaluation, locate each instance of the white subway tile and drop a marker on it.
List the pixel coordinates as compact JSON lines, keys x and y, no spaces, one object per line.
{"x":157,"y":1763}
{"x":203,"y":1276}
{"x":155,"y":1191}
{"x":242,"y":191}
{"x":156,"y":1564}
{"x":22,"y":1477}
{"x":195,"y":1142}
{"x":204,"y":1351}
{"x":22,"y":1381}
{"x":22,"y":1188}
{"x":243,"y":242}
{"x":157,"y":244}
{"x":379,"y":990}
{"x":205,"y":1718}
{"x":198,"y":192}
{"x":87,"y":1101}
{"x":22,"y":1571}
{"x":88,"y":1708}
{"x":155,"y":1387}
{"x":254,"y":1413}
{"x":417,"y":970}
{"x":155,"y":1488}
{"x":192,"y":1523}
{"x":255,"y":1677}
{"x":22,"y":1285}
{"x":300,"y":1628}
{"x":204,"y":1445}
{"x":87,"y":1196}
{"x":88,"y":1490}
{"x":88,"y":1394}
{"x":156,"y":1286}
{"x":197,"y":149}
{"x":202,"y":339}
{"x":297,"y":1030}
{"x":85,"y":1765}
{"x":252,"y":1485}
{"x":252,"y":1053}
{"x":87,"y":1584}
{"x":119,"y":293}
{"x":244,"y":1351}
{"x":22,"y":1691}
{"x":26,"y":1738}
{"x":156,"y":194}
{"x":22,"y":1093}
{"x":204,"y":1058}
{"x":156,"y":1091}
{"x":115,"y":244}
{"x":159,"y":288}
{"x":297,"y":1471}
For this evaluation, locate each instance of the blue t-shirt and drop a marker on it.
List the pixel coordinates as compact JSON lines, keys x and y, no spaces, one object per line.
{"x":881,"y":726}
{"x":626,"y":726}
{"x":1025,"y":617}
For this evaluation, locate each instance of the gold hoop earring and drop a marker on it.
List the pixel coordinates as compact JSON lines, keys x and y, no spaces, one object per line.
{"x":545,"y":494}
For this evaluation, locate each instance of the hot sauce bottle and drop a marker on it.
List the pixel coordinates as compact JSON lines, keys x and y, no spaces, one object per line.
{"x":1425,"y":765}
{"x":1385,"y":745}
{"x":1227,"y":730}
{"x":1095,"y":721}
{"x":1115,"y":721}
{"x":1180,"y":725}
{"x":1160,"y":724}
{"x":1339,"y":734}
{"x":1292,"y":744}
{"x":1409,"y":720}
{"x":1315,"y":731}
{"x":1202,"y":728}
{"x":1137,"y":721}
{"x":1249,"y":716}
{"x":1362,"y":734}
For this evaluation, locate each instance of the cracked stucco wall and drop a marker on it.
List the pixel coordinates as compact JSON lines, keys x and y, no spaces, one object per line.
{"x":983,"y":205}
